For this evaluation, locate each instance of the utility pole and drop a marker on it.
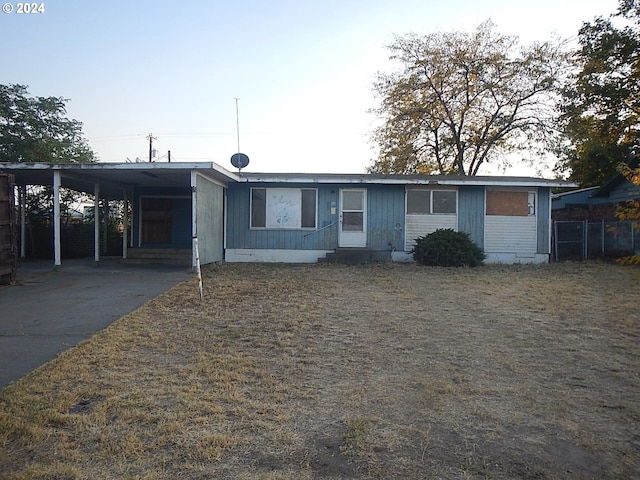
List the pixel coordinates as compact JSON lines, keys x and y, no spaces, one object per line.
{"x":151,"y":138}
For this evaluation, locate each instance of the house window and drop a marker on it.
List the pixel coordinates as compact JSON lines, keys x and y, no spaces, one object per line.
{"x":283,"y":208}
{"x":425,"y":202}
{"x":308,"y":218}
{"x":258,"y":207}
{"x":514,"y":203}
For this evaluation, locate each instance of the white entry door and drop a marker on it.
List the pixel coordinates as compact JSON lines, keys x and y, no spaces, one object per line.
{"x":353,"y":218}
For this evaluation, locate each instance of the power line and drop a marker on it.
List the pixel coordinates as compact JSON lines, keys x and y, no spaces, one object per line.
{"x":171,"y":134}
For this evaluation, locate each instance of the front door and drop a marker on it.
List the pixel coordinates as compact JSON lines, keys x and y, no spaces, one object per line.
{"x":353,"y":218}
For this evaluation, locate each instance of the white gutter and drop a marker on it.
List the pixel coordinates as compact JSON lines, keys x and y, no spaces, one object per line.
{"x":440,"y":180}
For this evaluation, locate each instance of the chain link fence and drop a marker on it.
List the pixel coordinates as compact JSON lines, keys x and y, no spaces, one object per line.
{"x":582,"y":240}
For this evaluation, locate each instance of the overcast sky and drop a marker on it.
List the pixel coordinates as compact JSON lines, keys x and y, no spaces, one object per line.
{"x":302,"y":70}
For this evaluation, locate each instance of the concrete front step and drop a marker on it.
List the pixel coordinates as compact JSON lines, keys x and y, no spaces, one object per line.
{"x":162,"y":256}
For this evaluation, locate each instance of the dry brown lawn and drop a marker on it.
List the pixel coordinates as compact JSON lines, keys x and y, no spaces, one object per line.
{"x":330,"y":372}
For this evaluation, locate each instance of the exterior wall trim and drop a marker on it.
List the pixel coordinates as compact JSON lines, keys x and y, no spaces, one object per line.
{"x":269,"y":255}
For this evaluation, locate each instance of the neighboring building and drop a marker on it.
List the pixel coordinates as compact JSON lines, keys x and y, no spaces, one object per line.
{"x":585,"y":223}
{"x":595,"y":203}
{"x":305,"y":217}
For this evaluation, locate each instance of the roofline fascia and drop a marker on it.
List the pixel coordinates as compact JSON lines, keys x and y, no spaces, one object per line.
{"x":70,"y":167}
{"x":364,"y":179}
{"x":571,"y":192}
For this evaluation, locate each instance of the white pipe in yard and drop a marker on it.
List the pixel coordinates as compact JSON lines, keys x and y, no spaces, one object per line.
{"x":198,"y":271}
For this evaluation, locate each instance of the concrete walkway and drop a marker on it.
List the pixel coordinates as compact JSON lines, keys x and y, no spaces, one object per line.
{"x":49,"y":311}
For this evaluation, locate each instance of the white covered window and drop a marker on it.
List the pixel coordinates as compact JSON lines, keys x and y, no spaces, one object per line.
{"x":283,"y":208}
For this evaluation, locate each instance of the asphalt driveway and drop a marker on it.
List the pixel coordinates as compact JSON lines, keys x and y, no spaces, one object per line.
{"x":49,"y":311}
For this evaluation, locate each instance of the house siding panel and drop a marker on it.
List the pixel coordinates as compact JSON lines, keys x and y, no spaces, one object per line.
{"x":241,"y":236}
{"x":624,"y":192}
{"x":385,"y":217}
{"x":471,"y":213}
{"x":420,"y":225}
{"x":505,"y":234}
{"x":181,"y":222}
{"x":209,"y":206}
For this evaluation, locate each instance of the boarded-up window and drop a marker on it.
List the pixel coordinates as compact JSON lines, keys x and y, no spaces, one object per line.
{"x":510,"y":203}
{"x":283,"y":208}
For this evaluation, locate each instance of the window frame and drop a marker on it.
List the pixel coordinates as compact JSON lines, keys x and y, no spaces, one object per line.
{"x":262,"y":223}
{"x":431,"y":191}
{"x":531,"y":208}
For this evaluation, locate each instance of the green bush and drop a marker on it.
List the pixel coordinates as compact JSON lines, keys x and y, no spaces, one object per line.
{"x":447,"y":248}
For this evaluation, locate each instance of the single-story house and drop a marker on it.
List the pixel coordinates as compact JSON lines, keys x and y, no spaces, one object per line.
{"x":220,"y":215}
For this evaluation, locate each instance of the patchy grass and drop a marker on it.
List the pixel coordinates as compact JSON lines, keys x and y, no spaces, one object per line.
{"x":328,"y":371}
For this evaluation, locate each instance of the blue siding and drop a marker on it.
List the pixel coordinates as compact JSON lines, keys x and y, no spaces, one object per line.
{"x":385,"y":219}
{"x":181,"y":222}
{"x":240,"y":235}
{"x":543,"y":213}
{"x":471,"y":213}
{"x":623,"y":192}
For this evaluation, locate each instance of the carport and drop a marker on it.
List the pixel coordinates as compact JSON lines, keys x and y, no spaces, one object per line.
{"x":203,"y":184}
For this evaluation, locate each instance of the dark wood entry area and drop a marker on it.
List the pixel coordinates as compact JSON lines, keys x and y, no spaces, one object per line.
{"x":156,"y":220}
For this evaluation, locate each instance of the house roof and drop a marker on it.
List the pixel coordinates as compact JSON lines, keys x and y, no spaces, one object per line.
{"x":613,"y":182}
{"x":452,"y":180}
{"x":583,"y":191}
{"x":115,"y":178}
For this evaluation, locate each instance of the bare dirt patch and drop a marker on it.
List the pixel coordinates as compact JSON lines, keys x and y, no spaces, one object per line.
{"x":329,"y":372}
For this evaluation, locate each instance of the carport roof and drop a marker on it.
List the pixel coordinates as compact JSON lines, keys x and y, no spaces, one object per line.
{"x":115,"y":178}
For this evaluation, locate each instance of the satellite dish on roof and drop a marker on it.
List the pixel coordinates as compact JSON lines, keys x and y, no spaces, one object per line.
{"x":239,"y":160}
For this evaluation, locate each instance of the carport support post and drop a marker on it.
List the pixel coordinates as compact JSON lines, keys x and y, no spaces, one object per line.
{"x":96,"y":223}
{"x":23,"y":221}
{"x":125,"y":220}
{"x":56,"y":220}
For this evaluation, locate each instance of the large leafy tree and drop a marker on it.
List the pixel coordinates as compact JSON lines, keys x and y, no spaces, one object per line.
{"x":601,"y":104}
{"x":36,"y":129}
{"x":461,"y":100}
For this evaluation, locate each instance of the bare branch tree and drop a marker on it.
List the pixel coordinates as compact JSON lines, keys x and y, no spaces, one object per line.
{"x":462,"y":100}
